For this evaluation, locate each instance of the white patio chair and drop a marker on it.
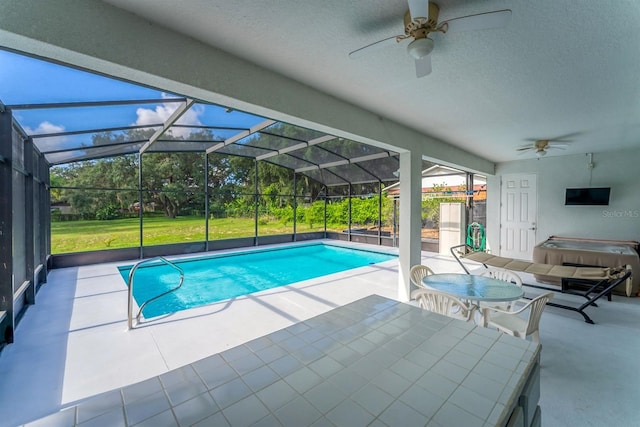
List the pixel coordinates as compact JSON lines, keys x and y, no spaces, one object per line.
{"x":510,"y":322}
{"x":443,"y":303}
{"x":504,"y":275}
{"x":419,"y":272}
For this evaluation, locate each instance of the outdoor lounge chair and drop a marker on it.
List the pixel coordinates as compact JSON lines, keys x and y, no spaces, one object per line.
{"x":599,"y":281}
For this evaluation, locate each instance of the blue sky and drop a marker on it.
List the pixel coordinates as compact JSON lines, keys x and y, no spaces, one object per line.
{"x":36,"y":81}
{"x":26,"y":80}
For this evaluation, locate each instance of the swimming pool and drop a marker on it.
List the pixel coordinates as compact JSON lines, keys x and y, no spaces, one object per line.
{"x":220,"y":277}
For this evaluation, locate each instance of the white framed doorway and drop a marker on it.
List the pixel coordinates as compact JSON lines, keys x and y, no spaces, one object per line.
{"x":518,"y":215}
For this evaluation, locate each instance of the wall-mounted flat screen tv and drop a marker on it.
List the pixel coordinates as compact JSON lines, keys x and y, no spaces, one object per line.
{"x":587,"y":196}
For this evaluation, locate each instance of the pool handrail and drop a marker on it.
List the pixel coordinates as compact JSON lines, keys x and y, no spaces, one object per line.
{"x":130,"y":285}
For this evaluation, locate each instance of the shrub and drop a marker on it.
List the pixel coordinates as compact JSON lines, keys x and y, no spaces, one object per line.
{"x":108,"y":213}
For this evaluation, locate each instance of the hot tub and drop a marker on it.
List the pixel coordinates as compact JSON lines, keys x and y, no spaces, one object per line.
{"x":593,"y":252}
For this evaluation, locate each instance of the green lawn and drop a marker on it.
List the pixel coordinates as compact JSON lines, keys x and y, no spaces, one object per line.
{"x":78,"y":236}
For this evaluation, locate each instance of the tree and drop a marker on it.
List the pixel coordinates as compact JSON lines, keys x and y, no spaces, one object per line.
{"x":174,"y":182}
{"x":56,"y":179}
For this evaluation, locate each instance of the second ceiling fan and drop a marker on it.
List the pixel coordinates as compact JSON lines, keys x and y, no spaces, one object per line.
{"x":421,"y":20}
{"x":541,"y":146}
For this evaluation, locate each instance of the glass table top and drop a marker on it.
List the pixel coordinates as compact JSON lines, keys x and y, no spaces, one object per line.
{"x":479,"y":288}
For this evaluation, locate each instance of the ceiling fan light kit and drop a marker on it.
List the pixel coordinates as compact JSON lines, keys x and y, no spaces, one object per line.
{"x":419,"y":48}
{"x":422,"y":19}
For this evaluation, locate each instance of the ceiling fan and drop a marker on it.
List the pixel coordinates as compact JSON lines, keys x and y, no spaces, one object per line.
{"x":540,"y":146}
{"x":421,"y":20}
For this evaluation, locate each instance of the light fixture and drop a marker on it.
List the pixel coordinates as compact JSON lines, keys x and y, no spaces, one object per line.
{"x":419,"y":48}
{"x":541,"y":153}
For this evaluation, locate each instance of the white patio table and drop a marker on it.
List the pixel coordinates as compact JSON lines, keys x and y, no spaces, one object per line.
{"x":474,"y":288}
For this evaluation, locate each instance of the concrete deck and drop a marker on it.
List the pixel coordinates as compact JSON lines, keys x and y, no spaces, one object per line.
{"x":74,"y":343}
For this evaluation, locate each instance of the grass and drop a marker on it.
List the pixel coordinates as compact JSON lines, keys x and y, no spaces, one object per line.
{"x":79,"y":236}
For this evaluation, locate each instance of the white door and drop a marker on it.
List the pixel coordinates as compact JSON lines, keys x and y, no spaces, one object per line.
{"x":518,"y":209}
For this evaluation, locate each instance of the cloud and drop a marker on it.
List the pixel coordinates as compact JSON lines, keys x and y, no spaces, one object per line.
{"x":44,"y":127}
{"x":162,"y":112}
{"x":51,"y":143}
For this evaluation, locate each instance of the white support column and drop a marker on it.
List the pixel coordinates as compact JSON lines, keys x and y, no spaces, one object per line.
{"x":410,"y":219}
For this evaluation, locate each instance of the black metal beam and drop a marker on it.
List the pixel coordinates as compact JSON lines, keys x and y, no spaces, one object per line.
{"x":6,"y":227}
{"x":208,"y":127}
{"x":295,"y":206}
{"x":44,"y":216}
{"x":86,"y":131}
{"x":30,"y":293}
{"x":207,"y":194}
{"x":43,"y":106}
{"x":256,"y":201}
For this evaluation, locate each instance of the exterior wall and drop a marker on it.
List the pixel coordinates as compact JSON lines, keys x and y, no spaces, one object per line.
{"x":620,"y":220}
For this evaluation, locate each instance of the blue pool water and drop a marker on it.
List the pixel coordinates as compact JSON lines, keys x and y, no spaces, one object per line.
{"x":215,"y":278}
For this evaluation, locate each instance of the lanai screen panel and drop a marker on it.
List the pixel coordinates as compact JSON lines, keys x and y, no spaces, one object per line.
{"x":269,"y":141}
{"x":91,"y":153}
{"x":317,"y":155}
{"x":350,"y":149}
{"x":353,"y":173}
{"x":242,"y":150}
{"x":166,"y":146}
{"x":325,"y":177}
{"x":288,"y":161}
{"x":305,"y":157}
{"x":385,"y":169}
{"x":89,"y":138}
{"x":193,"y":133}
{"x":292,"y":131}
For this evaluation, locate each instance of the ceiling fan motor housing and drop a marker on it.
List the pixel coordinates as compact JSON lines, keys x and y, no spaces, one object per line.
{"x":541,"y":144}
{"x":419,"y":27}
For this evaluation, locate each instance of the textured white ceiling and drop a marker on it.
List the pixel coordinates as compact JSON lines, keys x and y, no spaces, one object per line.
{"x":560,"y":67}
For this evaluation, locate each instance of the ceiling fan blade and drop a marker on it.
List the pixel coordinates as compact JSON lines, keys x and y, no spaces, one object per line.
{"x":481,"y":21}
{"x":565,"y":138}
{"x":419,"y":9}
{"x":358,"y":53}
{"x":423,"y":66}
{"x":524,"y":148}
{"x":560,"y":146}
